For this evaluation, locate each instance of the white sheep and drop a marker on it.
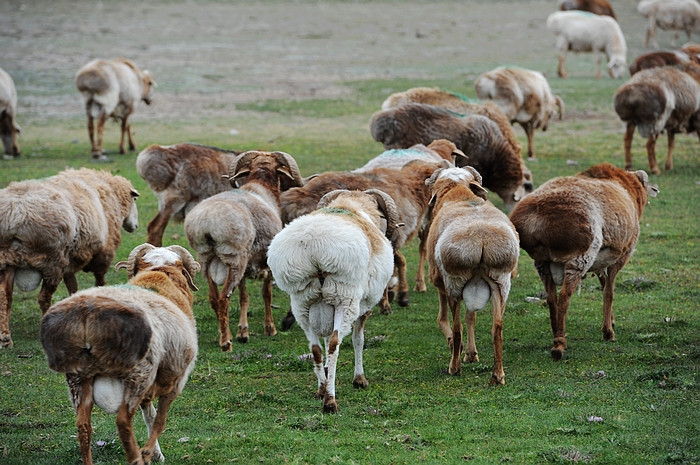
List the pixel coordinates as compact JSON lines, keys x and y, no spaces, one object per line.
{"x":335,"y":264}
{"x":473,"y":251}
{"x":580,"y":31}
{"x":121,"y":347}
{"x":8,"y":108}
{"x":523,"y":95}
{"x":575,"y":225}
{"x":112,"y":88}
{"x":676,"y":15}
{"x":181,"y":176}
{"x":231,"y":232}
{"x":657,"y":100}
{"x":54,"y":227}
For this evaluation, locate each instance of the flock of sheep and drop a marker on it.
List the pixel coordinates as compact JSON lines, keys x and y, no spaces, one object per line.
{"x":332,"y":241}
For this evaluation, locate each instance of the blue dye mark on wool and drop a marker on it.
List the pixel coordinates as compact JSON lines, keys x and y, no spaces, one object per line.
{"x":400,"y":153}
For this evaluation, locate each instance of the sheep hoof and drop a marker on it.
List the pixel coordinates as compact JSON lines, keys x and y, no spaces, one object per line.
{"x":5,"y":341}
{"x":360,"y":382}
{"x":420,"y":287}
{"x":385,"y":310}
{"x":226,"y":346}
{"x":656,"y":170}
{"x":497,"y":380}
{"x":403,"y":299}
{"x":609,"y":335}
{"x":270,"y":330}
{"x":330,"y":405}
{"x":288,"y":321}
{"x":471,"y":357}
{"x":243,"y":334}
{"x":455,"y":370}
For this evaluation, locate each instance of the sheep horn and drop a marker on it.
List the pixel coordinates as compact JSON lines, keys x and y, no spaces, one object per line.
{"x":240,"y":166}
{"x":330,"y":196}
{"x":388,"y":207}
{"x":292,"y":169}
{"x":131,"y":263}
{"x":190,"y":264}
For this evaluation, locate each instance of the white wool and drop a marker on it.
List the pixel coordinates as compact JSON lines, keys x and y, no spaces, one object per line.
{"x":108,"y":393}
{"x":456,"y":174}
{"x":27,"y":279}
{"x":161,"y":257}
{"x":476,"y":294}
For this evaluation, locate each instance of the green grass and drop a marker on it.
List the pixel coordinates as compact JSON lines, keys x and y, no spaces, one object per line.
{"x":255,"y":404}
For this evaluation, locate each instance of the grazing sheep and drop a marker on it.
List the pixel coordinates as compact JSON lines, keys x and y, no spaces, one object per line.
{"x":121,"y":347}
{"x":456,"y":103}
{"x":599,"y":7}
{"x":231,"y":232}
{"x":335,"y":264}
{"x":112,"y":88}
{"x":523,"y":95}
{"x":676,"y":15}
{"x":181,"y":176}
{"x":437,"y":151}
{"x":8,"y":107}
{"x":487,"y":148}
{"x":657,"y":100}
{"x":406,"y":185}
{"x":54,"y":227}
{"x":661,"y":58}
{"x":574,"y":225}
{"x":473,"y":251}
{"x":579,"y":31}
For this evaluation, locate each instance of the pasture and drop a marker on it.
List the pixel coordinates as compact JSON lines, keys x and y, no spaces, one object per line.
{"x":304,"y":77}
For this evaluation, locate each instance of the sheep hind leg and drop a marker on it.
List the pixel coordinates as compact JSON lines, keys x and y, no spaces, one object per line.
{"x":457,"y":345}
{"x":244,"y":303}
{"x":125,"y":430}
{"x":422,"y":255}
{"x":358,"y":342}
{"x":400,"y":262}
{"x":651,"y":154}
{"x":151,"y":450}
{"x":7,"y":282}
{"x":571,"y":282}
{"x":219,"y":303}
{"x":608,"y":327}
{"x":148,"y":411}
{"x":471,"y":355}
{"x":156,"y":227}
{"x":669,"y":156}
{"x":629,"y":136}
{"x":97,"y":146}
{"x":498,"y":301}
{"x":81,"y":395}
{"x":530,"y":133}
{"x":270,"y":329}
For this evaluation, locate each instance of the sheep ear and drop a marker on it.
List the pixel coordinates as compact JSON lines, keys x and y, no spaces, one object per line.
{"x":652,"y":189}
{"x":481,"y":192}
{"x":134,"y":193}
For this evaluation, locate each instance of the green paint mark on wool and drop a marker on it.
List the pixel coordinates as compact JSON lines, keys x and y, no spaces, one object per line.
{"x":464,"y":97}
{"x":337,"y":211}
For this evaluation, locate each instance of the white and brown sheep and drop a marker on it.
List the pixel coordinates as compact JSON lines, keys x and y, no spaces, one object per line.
{"x":335,"y":264}
{"x":122,"y":347}
{"x":599,"y":7}
{"x":523,"y":95}
{"x":8,"y":108}
{"x":487,"y":149}
{"x":473,"y":252}
{"x":181,"y":176}
{"x":112,"y":88}
{"x":574,"y":225}
{"x":675,"y":15}
{"x":406,"y":185}
{"x":657,"y":100}
{"x":661,"y":58}
{"x":579,"y":31}
{"x":54,"y":227}
{"x":231,"y":232}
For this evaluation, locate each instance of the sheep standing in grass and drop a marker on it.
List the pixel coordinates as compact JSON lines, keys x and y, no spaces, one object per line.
{"x":473,"y":251}
{"x":661,"y":58}
{"x":579,"y":31}
{"x":486,"y":148}
{"x":112,"y":88}
{"x":54,"y":227}
{"x":181,"y":176}
{"x":121,"y":347}
{"x":335,"y":264}
{"x":676,"y":15}
{"x":523,"y":95}
{"x":231,"y":232}
{"x":8,"y":107}
{"x":657,"y":100}
{"x":574,"y":225}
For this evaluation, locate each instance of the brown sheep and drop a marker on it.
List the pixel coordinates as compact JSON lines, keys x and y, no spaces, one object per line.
{"x":473,"y":251}
{"x":657,"y":100}
{"x":661,"y":58}
{"x":599,"y":7}
{"x":112,"y":88}
{"x":574,"y":225}
{"x":181,"y":176}
{"x":121,"y":347}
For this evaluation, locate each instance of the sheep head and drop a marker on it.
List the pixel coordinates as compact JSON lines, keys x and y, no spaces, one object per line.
{"x":465,"y":175}
{"x":252,"y":162}
{"x":652,"y":189}
{"x":386,"y":207}
{"x":160,"y":256}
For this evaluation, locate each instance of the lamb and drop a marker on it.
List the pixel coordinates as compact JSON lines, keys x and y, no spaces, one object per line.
{"x":231,"y":232}
{"x":335,"y":264}
{"x":574,"y":225}
{"x":8,"y":107}
{"x":677,"y":15}
{"x":657,"y":100}
{"x":406,"y":185}
{"x":661,"y":58}
{"x":599,"y":7}
{"x":486,"y":147}
{"x":56,"y":226}
{"x":181,"y":176}
{"x":523,"y":95}
{"x":112,"y":88}
{"x":456,"y":103}
{"x":473,"y":251}
{"x":121,"y":347}
{"x":579,"y":31}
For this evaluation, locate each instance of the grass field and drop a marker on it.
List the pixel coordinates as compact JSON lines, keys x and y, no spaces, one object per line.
{"x":634,"y":401}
